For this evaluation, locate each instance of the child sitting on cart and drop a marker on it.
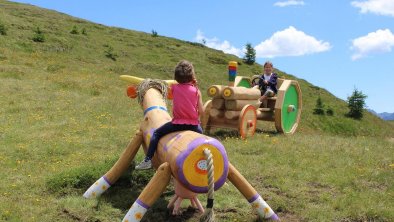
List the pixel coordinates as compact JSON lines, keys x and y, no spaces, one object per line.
{"x":267,"y":83}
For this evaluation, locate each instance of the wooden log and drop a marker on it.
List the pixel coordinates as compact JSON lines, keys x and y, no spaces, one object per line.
{"x":271,"y":102}
{"x":184,"y":150}
{"x":218,"y":103}
{"x":223,"y":123}
{"x":150,"y":194}
{"x":266,"y":114}
{"x":236,"y":93}
{"x":205,"y":116}
{"x":156,"y":185}
{"x":215,"y":91}
{"x":232,"y":115}
{"x":125,"y":159}
{"x":279,"y":82}
{"x":239,"y":104}
{"x":241,"y":183}
{"x":216,"y":113}
{"x":246,"y":189}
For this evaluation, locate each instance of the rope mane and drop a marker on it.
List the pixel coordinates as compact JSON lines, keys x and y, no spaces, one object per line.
{"x":145,"y":85}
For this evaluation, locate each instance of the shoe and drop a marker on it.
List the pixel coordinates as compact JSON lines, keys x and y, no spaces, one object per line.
{"x":144,"y":165}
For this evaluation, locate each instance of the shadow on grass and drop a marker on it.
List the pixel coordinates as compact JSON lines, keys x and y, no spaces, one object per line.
{"x":222,"y":134}
{"x":124,"y":192}
{"x":121,"y":195}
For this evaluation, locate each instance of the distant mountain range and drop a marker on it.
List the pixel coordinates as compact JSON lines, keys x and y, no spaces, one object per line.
{"x":385,"y":115}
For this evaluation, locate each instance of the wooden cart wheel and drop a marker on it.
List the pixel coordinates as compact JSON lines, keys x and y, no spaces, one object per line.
{"x":247,"y":121}
{"x":288,"y":107}
{"x":205,"y":116}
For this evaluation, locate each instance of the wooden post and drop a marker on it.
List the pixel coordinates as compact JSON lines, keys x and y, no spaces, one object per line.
{"x":218,"y":103}
{"x":215,"y":91}
{"x":237,"y":93}
{"x":265,"y":114}
{"x":125,"y":159}
{"x":232,"y":72}
{"x":240,"y":103}
{"x":150,"y":194}
{"x":263,"y":209}
{"x":216,"y":113}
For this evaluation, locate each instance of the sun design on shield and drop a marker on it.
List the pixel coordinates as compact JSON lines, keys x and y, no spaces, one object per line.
{"x":138,"y":216}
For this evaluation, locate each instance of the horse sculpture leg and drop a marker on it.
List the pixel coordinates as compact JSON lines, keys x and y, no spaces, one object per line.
{"x":263,"y":210}
{"x":102,"y":184}
{"x":150,"y":194}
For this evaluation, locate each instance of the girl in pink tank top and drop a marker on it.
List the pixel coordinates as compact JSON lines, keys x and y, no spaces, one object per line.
{"x":187,"y":108}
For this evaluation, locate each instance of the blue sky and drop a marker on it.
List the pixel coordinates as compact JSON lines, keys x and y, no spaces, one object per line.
{"x":337,"y":45}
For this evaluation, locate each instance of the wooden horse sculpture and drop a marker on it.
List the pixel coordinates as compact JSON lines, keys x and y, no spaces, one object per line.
{"x":198,"y":163}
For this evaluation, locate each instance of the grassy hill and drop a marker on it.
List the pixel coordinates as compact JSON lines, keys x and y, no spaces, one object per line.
{"x":67,"y":58}
{"x":65,"y":119}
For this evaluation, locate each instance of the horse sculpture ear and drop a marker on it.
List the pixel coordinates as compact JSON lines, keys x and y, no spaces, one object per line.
{"x":137,"y":80}
{"x":169,"y":91}
{"x":171,"y":82}
{"x":131,"y":79}
{"x":132,"y":91}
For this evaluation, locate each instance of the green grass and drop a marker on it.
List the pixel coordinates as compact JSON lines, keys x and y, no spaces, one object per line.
{"x":65,"y":119}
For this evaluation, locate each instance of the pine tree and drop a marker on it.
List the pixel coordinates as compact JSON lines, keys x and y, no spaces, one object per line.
{"x":356,"y":104}
{"x":319,"y":109}
{"x":250,"y":54}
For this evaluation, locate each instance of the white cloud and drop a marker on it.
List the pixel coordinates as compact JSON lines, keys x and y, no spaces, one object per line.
{"x":290,"y":42}
{"x":289,"y":3}
{"x":381,"y":41}
{"x":380,"y":7}
{"x":215,"y":43}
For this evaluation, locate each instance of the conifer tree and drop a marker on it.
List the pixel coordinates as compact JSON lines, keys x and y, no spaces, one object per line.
{"x":319,"y":109}
{"x":250,"y":54}
{"x":356,"y":104}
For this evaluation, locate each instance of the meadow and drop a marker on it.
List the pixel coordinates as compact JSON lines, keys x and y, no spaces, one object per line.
{"x":65,"y":119}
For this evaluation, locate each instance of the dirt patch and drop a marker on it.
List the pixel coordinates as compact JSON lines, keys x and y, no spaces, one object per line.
{"x":364,"y":219}
{"x":391,"y":140}
{"x":317,"y":188}
{"x":288,"y":217}
{"x":71,"y":216}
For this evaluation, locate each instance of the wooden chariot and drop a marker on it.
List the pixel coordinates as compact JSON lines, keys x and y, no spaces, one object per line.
{"x":238,"y":107}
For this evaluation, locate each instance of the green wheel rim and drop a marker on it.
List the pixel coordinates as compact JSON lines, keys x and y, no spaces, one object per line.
{"x":289,"y":118}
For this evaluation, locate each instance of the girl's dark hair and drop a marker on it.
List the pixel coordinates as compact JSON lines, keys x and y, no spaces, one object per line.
{"x":184,"y":72}
{"x":268,"y":63}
